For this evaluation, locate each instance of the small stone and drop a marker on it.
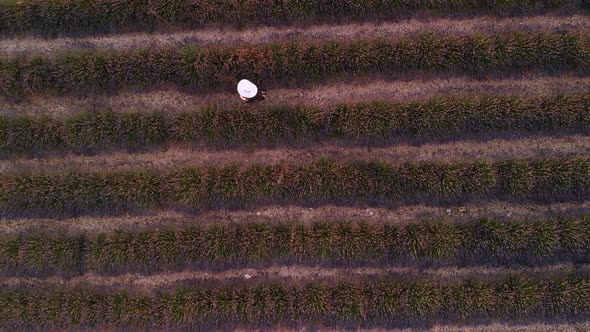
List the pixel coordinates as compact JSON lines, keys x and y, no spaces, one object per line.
{"x":449,"y":211}
{"x":258,"y":213}
{"x":247,"y":276}
{"x":462,"y":209}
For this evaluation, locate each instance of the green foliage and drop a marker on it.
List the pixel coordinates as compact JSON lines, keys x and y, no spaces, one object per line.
{"x":44,"y":254}
{"x":274,"y":65}
{"x":99,"y":129}
{"x":79,"y":192}
{"x":323,"y":181}
{"x":361,"y":123}
{"x":384,"y":302}
{"x":478,"y":242}
{"x":30,"y":134}
{"x":84,"y":17}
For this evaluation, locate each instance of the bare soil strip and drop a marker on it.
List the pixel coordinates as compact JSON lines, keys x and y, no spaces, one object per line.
{"x":492,"y":327}
{"x":264,"y":35}
{"x":292,"y":272}
{"x":178,"y":156}
{"x":362,"y":90}
{"x":287,"y":214}
{"x":495,"y":327}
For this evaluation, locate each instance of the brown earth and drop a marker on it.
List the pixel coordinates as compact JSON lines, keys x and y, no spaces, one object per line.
{"x":492,"y":327}
{"x":262,"y":35}
{"x":497,"y":327}
{"x":273,"y":214}
{"x":295,"y":272}
{"x":179,"y":157}
{"x":360,"y":90}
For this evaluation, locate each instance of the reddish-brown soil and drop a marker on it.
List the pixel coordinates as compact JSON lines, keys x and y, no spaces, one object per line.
{"x":273,"y":214}
{"x":406,"y":87}
{"x":498,"y":327}
{"x":178,"y":157}
{"x":323,"y":95}
{"x":263,"y":35}
{"x":295,"y":272}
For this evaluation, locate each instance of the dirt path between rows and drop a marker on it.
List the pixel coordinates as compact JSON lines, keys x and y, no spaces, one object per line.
{"x":297,"y":214}
{"x":494,"y":327}
{"x":367,"y":89}
{"x":295,"y":272}
{"x":262,"y":35}
{"x":178,"y":157}
{"x":498,"y":327}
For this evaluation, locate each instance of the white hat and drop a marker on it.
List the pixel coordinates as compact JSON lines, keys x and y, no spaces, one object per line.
{"x":247,"y":89}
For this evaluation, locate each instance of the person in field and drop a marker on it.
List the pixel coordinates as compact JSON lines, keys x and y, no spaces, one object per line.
{"x":249,"y":92}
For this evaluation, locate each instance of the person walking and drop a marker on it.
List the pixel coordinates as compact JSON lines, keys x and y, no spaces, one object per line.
{"x":249,"y":92}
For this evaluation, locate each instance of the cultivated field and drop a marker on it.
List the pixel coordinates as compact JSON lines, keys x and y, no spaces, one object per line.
{"x":416,"y":165}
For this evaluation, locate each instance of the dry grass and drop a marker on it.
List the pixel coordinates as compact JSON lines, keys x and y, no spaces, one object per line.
{"x":183,"y":156}
{"x":161,"y":243}
{"x":274,"y":34}
{"x":359,"y":89}
{"x":497,"y":210}
{"x":295,"y":273}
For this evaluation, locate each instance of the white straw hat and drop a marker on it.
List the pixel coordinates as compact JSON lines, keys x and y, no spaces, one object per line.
{"x":247,"y":89}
